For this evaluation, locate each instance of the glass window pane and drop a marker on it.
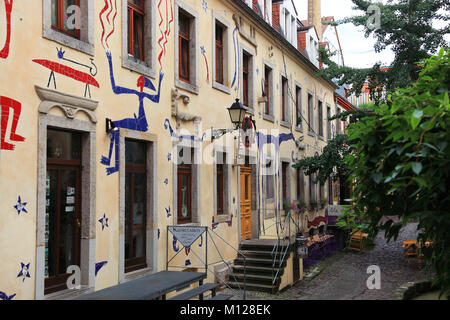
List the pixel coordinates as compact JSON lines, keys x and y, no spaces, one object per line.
{"x":51,"y":223}
{"x":135,"y":152}
{"x":138,"y":28}
{"x":63,"y":145}
{"x":55,"y":13}
{"x":67,"y":219}
{"x":139,"y":192}
{"x":69,"y":19}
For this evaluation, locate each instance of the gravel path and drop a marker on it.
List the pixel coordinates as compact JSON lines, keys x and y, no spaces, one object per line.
{"x":344,"y":274}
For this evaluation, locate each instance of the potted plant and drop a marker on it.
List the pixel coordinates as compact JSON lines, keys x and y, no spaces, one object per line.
{"x":323,"y":202}
{"x":313,"y":205}
{"x":301,"y":206}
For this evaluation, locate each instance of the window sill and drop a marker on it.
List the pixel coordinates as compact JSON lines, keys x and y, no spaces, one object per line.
{"x":269,"y":215}
{"x":249,"y":110}
{"x":186,"y":86}
{"x":188,"y":224}
{"x":299,"y":129}
{"x":136,"y":274}
{"x":269,"y":117}
{"x":69,"y":41}
{"x":321,"y":138}
{"x":221,"y":87}
{"x":285,"y":124}
{"x":311,"y":134}
{"x":141,"y":67}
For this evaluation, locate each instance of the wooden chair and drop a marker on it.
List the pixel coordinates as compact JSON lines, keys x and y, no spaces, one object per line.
{"x":357,"y":240}
{"x":411,"y":250}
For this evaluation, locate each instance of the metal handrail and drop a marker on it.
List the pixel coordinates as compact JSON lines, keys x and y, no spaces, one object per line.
{"x":238,"y":252}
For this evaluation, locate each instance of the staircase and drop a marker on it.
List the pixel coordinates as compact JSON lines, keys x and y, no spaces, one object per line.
{"x":260,"y":269}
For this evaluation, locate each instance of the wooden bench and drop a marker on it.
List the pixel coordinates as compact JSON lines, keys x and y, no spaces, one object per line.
{"x":357,"y":240}
{"x":198,"y":291}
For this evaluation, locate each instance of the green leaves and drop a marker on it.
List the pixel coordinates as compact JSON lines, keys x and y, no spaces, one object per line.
{"x":416,"y":117}
{"x":417,"y":167}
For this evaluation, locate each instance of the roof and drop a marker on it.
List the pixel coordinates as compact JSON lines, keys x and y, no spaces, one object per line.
{"x":268,"y":28}
{"x":343,"y":102}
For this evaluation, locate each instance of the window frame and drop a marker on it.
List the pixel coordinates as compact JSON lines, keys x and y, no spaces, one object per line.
{"x":192,"y":86}
{"x":86,"y":41}
{"x":147,"y":66}
{"x":221,"y":22}
{"x":131,"y":9}
{"x":250,"y":55}
{"x":60,"y":20}
{"x":298,"y":106}
{"x":184,"y":37}
{"x":268,"y":113}
{"x":320,"y":105}
{"x":310,"y":113}
{"x":136,"y":263}
{"x":285,"y":110}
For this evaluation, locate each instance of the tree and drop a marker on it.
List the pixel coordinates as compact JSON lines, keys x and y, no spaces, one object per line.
{"x":406,"y":26}
{"x":400,"y":163}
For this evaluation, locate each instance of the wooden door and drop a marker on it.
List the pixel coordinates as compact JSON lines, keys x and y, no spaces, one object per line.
{"x":246,"y":203}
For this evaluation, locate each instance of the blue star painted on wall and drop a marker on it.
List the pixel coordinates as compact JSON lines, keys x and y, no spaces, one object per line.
{"x":99,"y":265}
{"x":20,"y":206}
{"x":166,"y":181}
{"x":24,"y":271}
{"x":205,"y":5}
{"x":4,"y":296}
{"x":168,"y":210}
{"x":104,"y":221}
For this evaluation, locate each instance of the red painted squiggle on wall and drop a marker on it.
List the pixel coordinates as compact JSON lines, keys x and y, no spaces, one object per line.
{"x":4,"y":53}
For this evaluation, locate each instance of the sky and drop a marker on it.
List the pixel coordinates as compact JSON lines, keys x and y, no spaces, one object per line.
{"x":358,"y":51}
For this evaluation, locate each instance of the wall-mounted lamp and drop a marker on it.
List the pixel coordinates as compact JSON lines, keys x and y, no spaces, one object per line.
{"x":110,"y":126}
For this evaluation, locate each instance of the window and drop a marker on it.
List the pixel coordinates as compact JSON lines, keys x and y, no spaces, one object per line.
{"x":312,"y":187}
{"x":136,"y":30}
{"x":267,"y":89}
{"x":284,"y":102}
{"x":135,"y":205}
{"x":184,"y":185}
{"x":320,"y":107}
{"x":298,"y":107}
{"x":310,"y":113}
{"x":184,"y":47}
{"x":245,"y":79}
{"x":219,"y":53}
{"x":300,"y":186}
{"x":187,"y":48}
{"x":62,"y":17}
{"x":220,"y":188}
{"x":284,"y":177}
{"x":328,"y":122}
{"x":270,"y":180}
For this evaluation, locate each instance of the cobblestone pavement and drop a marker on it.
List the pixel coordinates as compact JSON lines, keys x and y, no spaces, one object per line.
{"x":344,"y":274}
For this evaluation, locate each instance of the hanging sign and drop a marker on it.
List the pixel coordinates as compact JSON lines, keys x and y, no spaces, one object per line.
{"x":187,"y":235}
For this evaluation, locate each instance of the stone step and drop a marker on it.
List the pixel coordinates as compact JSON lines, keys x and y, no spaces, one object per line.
{"x":256,"y":270}
{"x":266,"y":262}
{"x":254,"y":287}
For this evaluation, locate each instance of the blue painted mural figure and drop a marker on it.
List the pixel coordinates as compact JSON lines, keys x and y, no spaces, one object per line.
{"x":138,"y":123}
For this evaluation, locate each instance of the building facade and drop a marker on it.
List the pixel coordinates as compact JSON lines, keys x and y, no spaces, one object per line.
{"x":109,"y":134}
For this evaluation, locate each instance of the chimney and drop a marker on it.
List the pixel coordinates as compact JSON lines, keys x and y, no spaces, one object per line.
{"x":315,"y":16}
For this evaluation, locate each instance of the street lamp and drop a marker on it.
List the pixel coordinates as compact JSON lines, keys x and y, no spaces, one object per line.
{"x":237,"y":115}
